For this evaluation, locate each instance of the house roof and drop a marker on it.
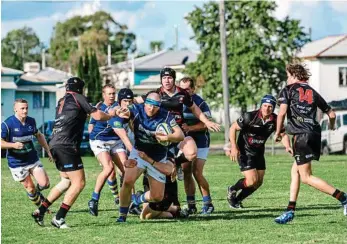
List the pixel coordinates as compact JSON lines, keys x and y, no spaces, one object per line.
{"x":8,"y":85}
{"x":156,"y":61}
{"x":330,"y":46}
{"x":45,"y":76}
{"x":9,"y":71}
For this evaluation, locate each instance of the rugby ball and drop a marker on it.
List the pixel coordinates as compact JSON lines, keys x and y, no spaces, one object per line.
{"x":165,"y":129}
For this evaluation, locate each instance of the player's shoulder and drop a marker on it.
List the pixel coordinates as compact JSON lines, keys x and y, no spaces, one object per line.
{"x":250,"y":114}
{"x":9,"y":120}
{"x":31,"y":120}
{"x":197,"y":99}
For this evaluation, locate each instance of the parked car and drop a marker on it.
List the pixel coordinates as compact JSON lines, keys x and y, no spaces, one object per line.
{"x":334,"y":141}
{"x":84,"y":148}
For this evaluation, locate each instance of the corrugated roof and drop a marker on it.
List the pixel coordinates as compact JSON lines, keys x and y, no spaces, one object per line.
{"x":9,"y":71}
{"x":47,"y":74}
{"x":330,"y":46}
{"x":157,"y":61}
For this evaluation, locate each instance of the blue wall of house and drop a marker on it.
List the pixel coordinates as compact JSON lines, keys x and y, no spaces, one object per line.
{"x":49,"y":113}
{"x":7,"y":99}
{"x":142,"y":75}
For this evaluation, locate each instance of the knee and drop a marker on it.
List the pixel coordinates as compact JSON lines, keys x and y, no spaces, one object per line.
{"x":108,"y":168}
{"x":190,"y":156}
{"x":128,"y":182}
{"x":157,"y":197}
{"x":305,"y":178}
{"x":251,"y":182}
{"x":63,"y":185}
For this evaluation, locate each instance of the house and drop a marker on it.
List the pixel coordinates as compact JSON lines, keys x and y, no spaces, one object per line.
{"x":327,"y":60}
{"x":143,"y":74}
{"x":38,"y":87}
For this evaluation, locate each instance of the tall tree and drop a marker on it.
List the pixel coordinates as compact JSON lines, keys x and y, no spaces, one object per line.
{"x":19,"y":46}
{"x":156,"y":46}
{"x":258,"y":47}
{"x":94,"y":32}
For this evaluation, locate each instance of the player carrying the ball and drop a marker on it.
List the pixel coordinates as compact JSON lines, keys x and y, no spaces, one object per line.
{"x":145,"y":119}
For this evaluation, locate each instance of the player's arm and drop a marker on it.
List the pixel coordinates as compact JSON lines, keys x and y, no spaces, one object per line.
{"x":332,"y":118}
{"x":5,"y":144}
{"x":139,"y":99}
{"x":91,"y":125}
{"x":121,"y":132}
{"x":11,"y":145}
{"x":177,"y":134}
{"x":193,"y":128}
{"x":165,"y":168}
{"x":42,"y":141}
{"x":280,"y":121}
{"x":234,"y":150}
{"x":286,"y":143}
{"x":201,"y":116}
{"x":323,"y":105}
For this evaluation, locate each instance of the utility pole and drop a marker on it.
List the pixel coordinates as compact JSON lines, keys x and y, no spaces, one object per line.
{"x":176,"y":37}
{"x":224,"y":70}
{"x":108,"y":55}
{"x":22,"y":44}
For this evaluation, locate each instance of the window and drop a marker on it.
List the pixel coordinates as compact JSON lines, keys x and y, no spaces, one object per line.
{"x":338,"y":122}
{"x":37,"y":100}
{"x":344,"y":118}
{"x":343,"y":76}
{"x":324,"y":125}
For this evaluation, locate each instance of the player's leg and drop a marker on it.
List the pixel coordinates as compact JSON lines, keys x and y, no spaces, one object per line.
{"x":288,"y":214}
{"x":106,"y":162}
{"x":119,"y":157}
{"x":189,"y":186}
{"x":130,"y":177}
{"x":40,"y":176}
{"x":198,"y":169}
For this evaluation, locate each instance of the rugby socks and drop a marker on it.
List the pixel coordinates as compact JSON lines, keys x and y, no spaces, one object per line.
{"x":291,"y":206}
{"x":123,"y":212}
{"x":138,"y":200}
{"x":64,"y":208}
{"x":44,"y":206}
{"x":181,"y":159}
{"x":207,"y":200}
{"x":35,"y":197}
{"x":96,"y":196}
{"x":245,"y":193}
{"x":191,"y":201}
{"x":240,"y":185}
{"x":113,"y":187}
{"x":339,"y":195}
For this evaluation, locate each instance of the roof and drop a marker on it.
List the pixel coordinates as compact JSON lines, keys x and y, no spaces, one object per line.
{"x":156,"y":61}
{"x":37,"y":88}
{"x":47,"y":75}
{"x":8,"y":85}
{"x":330,"y":46}
{"x":9,"y":71}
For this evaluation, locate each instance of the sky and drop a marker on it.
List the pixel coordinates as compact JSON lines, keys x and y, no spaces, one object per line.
{"x":156,"y":20}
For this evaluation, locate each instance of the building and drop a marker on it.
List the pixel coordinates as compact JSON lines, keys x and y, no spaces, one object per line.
{"x":142,"y":74}
{"x":327,"y":60}
{"x":38,"y":87}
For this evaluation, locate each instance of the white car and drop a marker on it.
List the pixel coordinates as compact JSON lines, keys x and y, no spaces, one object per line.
{"x":334,"y":140}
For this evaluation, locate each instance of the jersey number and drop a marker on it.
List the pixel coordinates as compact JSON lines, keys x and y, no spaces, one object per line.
{"x":305,"y":95}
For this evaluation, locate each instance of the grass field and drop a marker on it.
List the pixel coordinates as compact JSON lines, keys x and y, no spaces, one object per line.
{"x":319,"y":218}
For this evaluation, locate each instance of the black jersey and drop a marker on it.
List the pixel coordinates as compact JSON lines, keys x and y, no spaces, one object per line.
{"x":302,"y":101}
{"x":174,"y":104}
{"x":254,"y":132}
{"x":70,"y":117}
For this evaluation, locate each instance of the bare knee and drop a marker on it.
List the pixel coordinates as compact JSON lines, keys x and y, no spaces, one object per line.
{"x":251,"y":182}
{"x":305,"y":178}
{"x":128,"y":182}
{"x":108,"y":168}
{"x":157,"y":197}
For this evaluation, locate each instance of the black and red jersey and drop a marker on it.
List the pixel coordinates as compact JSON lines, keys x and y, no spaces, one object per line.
{"x":70,"y":117}
{"x":254,"y":132}
{"x":302,"y":101}
{"x":174,"y":104}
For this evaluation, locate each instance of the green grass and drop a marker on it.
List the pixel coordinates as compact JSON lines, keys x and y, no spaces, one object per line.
{"x":319,"y":217}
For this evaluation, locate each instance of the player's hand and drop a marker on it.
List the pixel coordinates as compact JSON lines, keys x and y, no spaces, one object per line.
{"x":161,"y":137}
{"x":185,"y":128}
{"x":213,"y":126}
{"x":130,"y":163}
{"x":18,"y":145}
{"x":234,"y":154}
{"x":50,"y":157}
{"x":289,"y":150}
{"x":123,"y":113}
{"x":277,"y":138}
{"x":143,"y":155}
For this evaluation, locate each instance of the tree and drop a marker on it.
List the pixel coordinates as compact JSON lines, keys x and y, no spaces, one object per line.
{"x":156,"y":46}
{"x":72,"y":37}
{"x":19,"y":46}
{"x":258,"y":47}
{"x":88,"y":70}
